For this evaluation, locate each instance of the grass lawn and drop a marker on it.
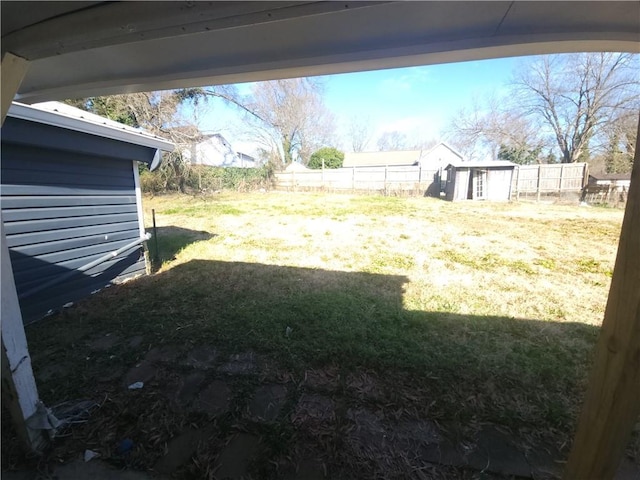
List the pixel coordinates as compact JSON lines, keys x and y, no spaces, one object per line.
{"x":465,"y":314}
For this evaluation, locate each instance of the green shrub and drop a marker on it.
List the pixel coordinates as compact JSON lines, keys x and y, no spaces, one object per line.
{"x":332,"y":157}
{"x":202,"y":178}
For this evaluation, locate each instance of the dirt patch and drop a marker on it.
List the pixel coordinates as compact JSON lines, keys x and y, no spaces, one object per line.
{"x":327,"y":380}
{"x":268,"y":402}
{"x":53,"y":370}
{"x":496,"y":452}
{"x":103,"y":343}
{"x":240,"y":364}
{"x":147,"y":369}
{"x":135,"y":341}
{"x":213,"y":400}
{"x":368,"y":437}
{"x":79,"y":469}
{"x":414,"y":433}
{"x":143,"y":372}
{"x":111,"y":376}
{"x":166,"y":354}
{"x":364,"y":386}
{"x":314,"y":408}
{"x":179,"y":450}
{"x":203,"y":357}
{"x":190,"y":386}
{"x":308,"y":468}
{"x":235,"y":459}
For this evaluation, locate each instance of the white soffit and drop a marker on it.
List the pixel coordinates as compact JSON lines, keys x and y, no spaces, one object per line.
{"x":119,"y":47}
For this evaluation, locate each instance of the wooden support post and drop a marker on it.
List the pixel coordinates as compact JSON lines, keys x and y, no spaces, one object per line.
{"x":612,"y":403}
{"x":12,"y":72}
{"x":19,"y":391}
{"x":538,"y":184}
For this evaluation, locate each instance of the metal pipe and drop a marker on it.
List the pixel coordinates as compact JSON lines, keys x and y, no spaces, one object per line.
{"x":156,"y":254}
{"x":84,"y":268}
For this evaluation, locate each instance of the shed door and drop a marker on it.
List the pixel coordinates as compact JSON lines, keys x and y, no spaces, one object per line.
{"x":478,"y":185}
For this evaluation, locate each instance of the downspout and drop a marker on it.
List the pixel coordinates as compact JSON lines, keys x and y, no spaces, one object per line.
{"x":84,"y":268}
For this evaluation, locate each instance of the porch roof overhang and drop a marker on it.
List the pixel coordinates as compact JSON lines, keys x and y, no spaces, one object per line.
{"x":79,"y":49}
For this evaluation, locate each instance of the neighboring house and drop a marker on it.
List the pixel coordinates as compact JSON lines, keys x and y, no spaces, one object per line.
{"x":436,"y":157}
{"x":70,"y":198}
{"x":479,"y":180}
{"x":441,"y":155}
{"x":612,"y":179}
{"x":215,"y":151}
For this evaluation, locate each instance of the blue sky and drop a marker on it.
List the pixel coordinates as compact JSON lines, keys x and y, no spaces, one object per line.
{"x":417,"y":101}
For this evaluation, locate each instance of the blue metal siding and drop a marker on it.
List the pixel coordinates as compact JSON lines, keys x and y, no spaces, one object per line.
{"x":63,"y":209}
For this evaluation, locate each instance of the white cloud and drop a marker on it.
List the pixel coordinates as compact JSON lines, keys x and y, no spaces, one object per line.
{"x":405,"y":80}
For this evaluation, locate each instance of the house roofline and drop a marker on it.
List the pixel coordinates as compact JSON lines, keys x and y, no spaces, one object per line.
{"x":87,"y":122}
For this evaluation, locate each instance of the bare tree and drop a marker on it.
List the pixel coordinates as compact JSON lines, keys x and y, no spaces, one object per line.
{"x":492,"y":129}
{"x":576,"y":96}
{"x":360,"y":132}
{"x":390,"y":141}
{"x":159,"y":113}
{"x":621,"y":136}
{"x":288,"y":117}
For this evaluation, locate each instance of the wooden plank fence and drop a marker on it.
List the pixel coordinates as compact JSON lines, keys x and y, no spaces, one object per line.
{"x":361,"y":178}
{"x":527,"y":179}
{"x":548,"y":178}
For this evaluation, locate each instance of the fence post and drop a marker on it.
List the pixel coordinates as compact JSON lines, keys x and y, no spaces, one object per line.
{"x":385,"y":179}
{"x":518,"y":182}
{"x":538,"y":184}
{"x":322,"y":179}
{"x":293,"y":180}
{"x":353,"y":179}
{"x":560,"y":183}
{"x":585,"y":174}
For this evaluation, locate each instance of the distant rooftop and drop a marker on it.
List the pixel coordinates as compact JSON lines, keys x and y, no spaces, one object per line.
{"x":611,"y":176}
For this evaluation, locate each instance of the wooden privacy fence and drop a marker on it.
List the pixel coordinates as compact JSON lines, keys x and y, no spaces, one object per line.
{"x":615,"y":195}
{"x":527,"y":179}
{"x":548,"y":178}
{"x":362,"y":178}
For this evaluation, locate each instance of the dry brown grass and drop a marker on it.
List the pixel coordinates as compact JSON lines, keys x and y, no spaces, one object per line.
{"x":413,"y":309}
{"x":522,"y":260}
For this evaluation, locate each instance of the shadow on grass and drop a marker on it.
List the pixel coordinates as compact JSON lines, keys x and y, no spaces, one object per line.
{"x":514,"y":372}
{"x":167,"y":241}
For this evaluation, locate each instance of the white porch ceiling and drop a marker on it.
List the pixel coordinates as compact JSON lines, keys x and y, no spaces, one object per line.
{"x":78,"y":49}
